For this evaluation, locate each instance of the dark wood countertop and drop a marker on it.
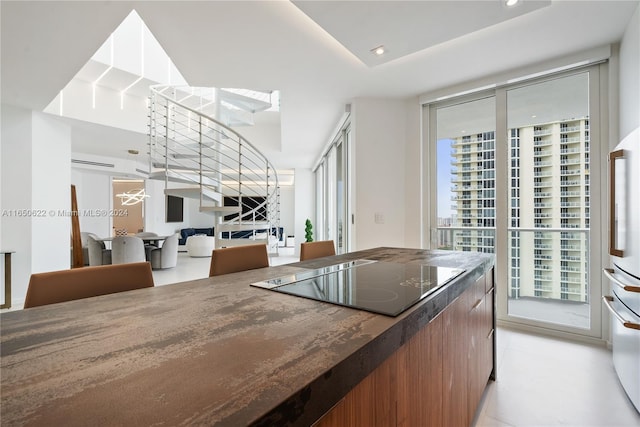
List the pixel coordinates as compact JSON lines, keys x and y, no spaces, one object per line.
{"x":214,"y":351}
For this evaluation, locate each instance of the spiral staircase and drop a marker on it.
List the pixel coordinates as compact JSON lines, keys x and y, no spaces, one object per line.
{"x":197,"y":154}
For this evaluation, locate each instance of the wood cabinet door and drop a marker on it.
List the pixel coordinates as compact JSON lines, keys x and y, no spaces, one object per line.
{"x":371,"y":403}
{"x":455,"y":353}
{"x":435,"y":379}
{"x":477,"y":337}
{"x":420,"y":378}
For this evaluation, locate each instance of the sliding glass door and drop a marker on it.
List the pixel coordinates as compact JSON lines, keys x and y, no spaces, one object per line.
{"x":513,"y":178}
{"x":549,"y":199}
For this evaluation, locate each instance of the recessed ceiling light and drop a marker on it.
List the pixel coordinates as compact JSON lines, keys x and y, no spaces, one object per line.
{"x":378,"y":50}
{"x":511,"y":2}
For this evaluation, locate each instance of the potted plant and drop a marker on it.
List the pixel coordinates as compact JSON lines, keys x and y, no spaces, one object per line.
{"x":308,"y":231}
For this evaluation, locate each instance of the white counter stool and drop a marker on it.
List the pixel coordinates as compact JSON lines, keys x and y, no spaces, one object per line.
{"x":200,"y":245}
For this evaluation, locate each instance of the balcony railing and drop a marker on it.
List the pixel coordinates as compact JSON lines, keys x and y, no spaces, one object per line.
{"x":542,"y":143}
{"x":569,"y":150}
{"x":570,"y":172}
{"x":570,"y":129}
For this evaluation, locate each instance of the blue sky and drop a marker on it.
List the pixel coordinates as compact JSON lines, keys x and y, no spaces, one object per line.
{"x":443,"y":185}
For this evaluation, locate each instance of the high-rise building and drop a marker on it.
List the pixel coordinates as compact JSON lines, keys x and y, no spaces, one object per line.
{"x":549,"y":205}
{"x":474,"y":183}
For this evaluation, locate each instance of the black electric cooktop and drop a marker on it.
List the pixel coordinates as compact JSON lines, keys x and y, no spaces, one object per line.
{"x":380,"y":287}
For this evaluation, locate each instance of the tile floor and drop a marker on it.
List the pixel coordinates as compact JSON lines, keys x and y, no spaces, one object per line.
{"x":545,"y":381}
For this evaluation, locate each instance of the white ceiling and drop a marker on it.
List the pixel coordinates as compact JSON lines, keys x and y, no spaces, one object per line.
{"x":281,"y":45}
{"x":406,"y":27}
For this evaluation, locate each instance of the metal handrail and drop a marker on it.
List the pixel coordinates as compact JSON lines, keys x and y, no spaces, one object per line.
{"x":176,"y":127}
{"x":198,"y":113}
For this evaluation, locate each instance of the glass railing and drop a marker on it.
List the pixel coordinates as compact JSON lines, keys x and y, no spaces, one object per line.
{"x":552,"y":286}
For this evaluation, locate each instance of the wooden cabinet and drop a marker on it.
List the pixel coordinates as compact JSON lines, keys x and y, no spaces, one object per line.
{"x":419,"y":374}
{"x":435,"y":379}
{"x":455,"y":361}
{"x":480,"y":341}
{"x":371,"y":403}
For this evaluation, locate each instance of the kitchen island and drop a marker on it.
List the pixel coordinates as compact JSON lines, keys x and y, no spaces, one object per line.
{"x":218,"y":351}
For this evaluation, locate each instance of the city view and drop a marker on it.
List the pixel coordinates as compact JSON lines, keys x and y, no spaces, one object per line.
{"x":548,"y":208}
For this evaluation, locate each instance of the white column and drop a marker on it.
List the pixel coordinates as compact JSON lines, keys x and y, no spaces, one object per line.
{"x":36,"y":191}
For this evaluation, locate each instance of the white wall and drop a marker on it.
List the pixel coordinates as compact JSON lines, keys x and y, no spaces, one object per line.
{"x":265,"y":136}
{"x":379,"y":129}
{"x":35,"y":195}
{"x":155,"y":210}
{"x":304,"y":197}
{"x":78,"y":104}
{"x":288,"y":207}
{"x":16,"y":195}
{"x":51,"y":191}
{"x":630,"y":77}
{"x":413,"y":176}
{"x":93,"y":192}
{"x":196,"y":219}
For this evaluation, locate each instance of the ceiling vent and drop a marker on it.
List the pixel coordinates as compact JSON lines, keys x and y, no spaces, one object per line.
{"x":87,"y":162}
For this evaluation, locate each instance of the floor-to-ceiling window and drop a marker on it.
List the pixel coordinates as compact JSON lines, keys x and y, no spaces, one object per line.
{"x":332,"y":192}
{"x":330,"y":189}
{"x":465,"y":183}
{"x":320,"y":196}
{"x":549,"y":198}
{"x":513,"y":178}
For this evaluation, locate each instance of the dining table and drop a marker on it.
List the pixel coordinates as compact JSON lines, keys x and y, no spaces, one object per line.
{"x":150,"y":243}
{"x":212,"y":351}
{"x":151,"y":240}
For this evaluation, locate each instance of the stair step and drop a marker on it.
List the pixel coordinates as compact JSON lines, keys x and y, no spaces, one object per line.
{"x":243,"y":226}
{"x":221,"y":209}
{"x":190,"y":177}
{"x":235,"y":118}
{"x":194,"y":193}
{"x":243,"y":102}
{"x":178,"y":167}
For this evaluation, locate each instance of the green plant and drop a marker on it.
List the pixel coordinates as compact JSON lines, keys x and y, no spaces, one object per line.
{"x":308,"y":231}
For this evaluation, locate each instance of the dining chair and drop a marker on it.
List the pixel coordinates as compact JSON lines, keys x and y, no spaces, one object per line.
{"x":97,"y":253}
{"x":149,"y":245}
{"x":125,"y":249}
{"x":84,"y":240}
{"x":311,"y":250}
{"x":167,"y":255}
{"x":66,"y":285}
{"x":238,"y":258}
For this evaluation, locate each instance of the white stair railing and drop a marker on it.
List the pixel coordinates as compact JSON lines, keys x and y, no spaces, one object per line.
{"x":204,"y":158}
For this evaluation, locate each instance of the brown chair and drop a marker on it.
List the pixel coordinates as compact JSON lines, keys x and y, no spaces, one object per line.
{"x":78,"y":283}
{"x":238,"y":258}
{"x":311,"y":250}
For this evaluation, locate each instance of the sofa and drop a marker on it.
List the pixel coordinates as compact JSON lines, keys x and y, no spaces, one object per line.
{"x":247,"y":234}
{"x":273,"y":239}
